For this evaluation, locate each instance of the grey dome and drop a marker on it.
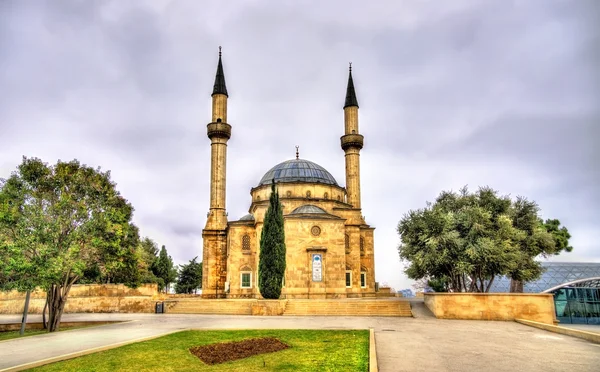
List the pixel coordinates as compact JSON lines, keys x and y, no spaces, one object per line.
{"x":248,"y":217}
{"x":308,"y":208}
{"x":298,"y":170}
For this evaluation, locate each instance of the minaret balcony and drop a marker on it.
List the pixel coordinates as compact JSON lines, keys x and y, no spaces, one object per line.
{"x":352,"y":140}
{"x":219,"y":129}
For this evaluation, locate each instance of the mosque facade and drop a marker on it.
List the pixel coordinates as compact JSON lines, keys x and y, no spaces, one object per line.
{"x":329,"y":246}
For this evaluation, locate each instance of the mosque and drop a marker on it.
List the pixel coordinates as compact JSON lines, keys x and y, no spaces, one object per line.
{"x":328,"y":243}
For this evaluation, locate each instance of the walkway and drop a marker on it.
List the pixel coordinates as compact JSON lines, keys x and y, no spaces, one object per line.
{"x":403,"y":344}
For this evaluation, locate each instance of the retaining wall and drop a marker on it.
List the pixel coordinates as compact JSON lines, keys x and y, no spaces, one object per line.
{"x":538,"y":307}
{"x":88,"y":298}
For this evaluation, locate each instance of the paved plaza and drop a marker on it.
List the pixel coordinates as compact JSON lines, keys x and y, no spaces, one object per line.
{"x":422,"y":343}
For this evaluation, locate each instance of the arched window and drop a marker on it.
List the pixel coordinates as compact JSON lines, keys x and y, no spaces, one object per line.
{"x":326,"y":196}
{"x":363,"y":277}
{"x":246,"y":242}
{"x":308,"y":194}
{"x":348,"y":276}
{"x":246,"y":277}
{"x":347,"y":243}
{"x":362,"y":246}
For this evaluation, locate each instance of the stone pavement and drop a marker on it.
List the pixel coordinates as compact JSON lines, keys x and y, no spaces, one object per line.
{"x":422,"y":343}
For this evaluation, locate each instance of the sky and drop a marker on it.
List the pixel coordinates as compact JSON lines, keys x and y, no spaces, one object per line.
{"x":464,"y":92}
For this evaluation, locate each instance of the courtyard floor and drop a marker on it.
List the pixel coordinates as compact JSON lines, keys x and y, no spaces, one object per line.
{"x":422,"y":343}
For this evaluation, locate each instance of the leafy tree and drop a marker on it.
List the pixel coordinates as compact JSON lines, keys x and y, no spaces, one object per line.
{"x":164,"y":269}
{"x":271,"y":267}
{"x":144,"y":257}
{"x":190,"y":277}
{"x":148,"y":252}
{"x":541,"y":238}
{"x":464,"y":240}
{"x":58,"y":223}
{"x":438,"y":284}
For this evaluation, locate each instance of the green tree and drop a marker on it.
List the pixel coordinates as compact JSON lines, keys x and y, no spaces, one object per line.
{"x":57,"y":223}
{"x":190,"y":277}
{"x":541,"y":239}
{"x":271,"y":267}
{"x":164,"y":269}
{"x":464,"y":240}
{"x":144,"y":257}
{"x":148,"y":252}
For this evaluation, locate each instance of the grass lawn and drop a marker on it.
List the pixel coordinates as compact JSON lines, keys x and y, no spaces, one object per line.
{"x":310,"y":350}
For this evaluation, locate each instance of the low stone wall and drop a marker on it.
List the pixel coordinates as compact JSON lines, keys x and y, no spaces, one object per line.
{"x":589,"y":336}
{"x":269,"y":307}
{"x":538,"y":307}
{"x":88,"y":298}
{"x":115,"y":298}
{"x":210,"y":306}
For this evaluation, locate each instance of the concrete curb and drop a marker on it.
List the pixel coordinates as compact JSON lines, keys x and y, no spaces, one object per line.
{"x":60,"y":358}
{"x":372,"y":352}
{"x":589,"y":336}
{"x":70,"y":330}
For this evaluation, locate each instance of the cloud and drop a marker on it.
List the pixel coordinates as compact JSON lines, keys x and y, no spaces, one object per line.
{"x":498,"y":93}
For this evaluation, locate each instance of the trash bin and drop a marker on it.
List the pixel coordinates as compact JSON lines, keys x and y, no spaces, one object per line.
{"x":160,"y":307}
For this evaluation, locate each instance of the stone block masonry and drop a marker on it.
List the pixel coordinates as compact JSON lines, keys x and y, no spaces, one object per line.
{"x":114,"y":298}
{"x":537,"y":307}
{"x":88,"y":298}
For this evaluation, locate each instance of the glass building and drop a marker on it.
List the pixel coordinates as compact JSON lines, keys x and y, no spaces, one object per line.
{"x":575,"y":286}
{"x":578,"y":302}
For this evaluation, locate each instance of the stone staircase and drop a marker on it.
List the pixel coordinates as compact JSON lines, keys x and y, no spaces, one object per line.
{"x":349,"y":307}
{"x":298,"y":307}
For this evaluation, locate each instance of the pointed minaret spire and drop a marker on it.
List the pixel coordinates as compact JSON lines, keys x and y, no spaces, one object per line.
{"x":350,"y":93}
{"x":220,"y":87}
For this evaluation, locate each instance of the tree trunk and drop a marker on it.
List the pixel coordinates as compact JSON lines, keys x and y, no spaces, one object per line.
{"x":25,"y":310}
{"x":57,"y":298}
{"x":516,"y":286}
{"x":44,"y":320}
{"x":487,"y":289}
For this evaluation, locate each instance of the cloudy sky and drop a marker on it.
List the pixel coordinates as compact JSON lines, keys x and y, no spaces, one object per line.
{"x":499,"y":93}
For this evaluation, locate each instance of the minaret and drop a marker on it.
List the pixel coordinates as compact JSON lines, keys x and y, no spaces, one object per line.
{"x":352,"y":143}
{"x":219,"y":133}
{"x":214,"y":235}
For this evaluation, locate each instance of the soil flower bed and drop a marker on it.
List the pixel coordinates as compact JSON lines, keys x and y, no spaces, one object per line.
{"x":224,"y":352}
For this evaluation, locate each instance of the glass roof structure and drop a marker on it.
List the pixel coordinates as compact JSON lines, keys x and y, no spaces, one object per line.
{"x":298,"y":170}
{"x":556,"y":274}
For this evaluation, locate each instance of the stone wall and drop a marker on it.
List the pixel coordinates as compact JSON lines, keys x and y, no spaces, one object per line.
{"x":492,"y":306}
{"x":296,"y":307}
{"x":88,"y":298}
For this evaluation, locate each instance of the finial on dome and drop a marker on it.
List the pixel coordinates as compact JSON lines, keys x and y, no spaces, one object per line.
{"x":297,"y":153}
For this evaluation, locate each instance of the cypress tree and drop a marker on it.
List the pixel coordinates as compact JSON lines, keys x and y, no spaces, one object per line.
{"x":271,"y":266}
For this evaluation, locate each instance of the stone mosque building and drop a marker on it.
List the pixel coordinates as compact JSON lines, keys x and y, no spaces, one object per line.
{"x":329,"y":245}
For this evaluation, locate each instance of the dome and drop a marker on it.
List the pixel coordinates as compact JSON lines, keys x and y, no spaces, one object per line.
{"x":308,"y":208}
{"x":298,"y":170}
{"x":248,"y":217}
